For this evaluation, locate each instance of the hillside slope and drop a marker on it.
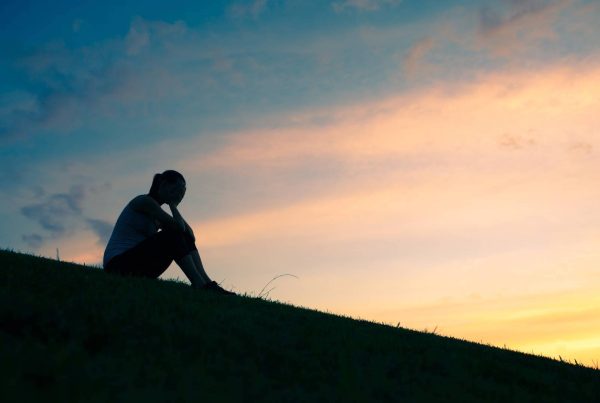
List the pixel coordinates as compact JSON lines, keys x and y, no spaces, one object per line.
{"x":74,"y":333}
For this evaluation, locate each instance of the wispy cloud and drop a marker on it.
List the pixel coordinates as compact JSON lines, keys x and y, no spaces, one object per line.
{"x":137,"y":38}
{"x":102,"y":229}
{"x":77,"y":24}
{"x":581,"y":147}
{"x":252,"y":8}
{"x":207,"y":77}
{"x":388,"y":128}
{"x":52,"y":214}
{"x":389,"y":162}
{"x":516,"y":25}
{"x":414,"y":60}
{"x":364,"y":5}
{"x":60,"y":214}
{"x":72,"y":87}
{"x":34,"y":241}
{"x":515,"y":141}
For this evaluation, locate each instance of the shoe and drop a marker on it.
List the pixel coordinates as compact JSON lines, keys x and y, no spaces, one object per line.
{"x":216,"y":287}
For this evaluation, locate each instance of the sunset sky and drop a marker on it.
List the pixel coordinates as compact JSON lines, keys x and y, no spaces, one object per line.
{"x":422,"y":162}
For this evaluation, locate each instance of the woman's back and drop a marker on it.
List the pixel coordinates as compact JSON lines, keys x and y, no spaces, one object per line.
{"x":131,"y":228}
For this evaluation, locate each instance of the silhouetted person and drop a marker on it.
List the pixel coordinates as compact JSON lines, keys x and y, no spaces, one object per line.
{"x":137,"y":247}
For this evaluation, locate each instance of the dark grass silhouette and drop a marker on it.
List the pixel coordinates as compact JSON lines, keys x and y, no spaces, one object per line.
{"x":74,"y":333}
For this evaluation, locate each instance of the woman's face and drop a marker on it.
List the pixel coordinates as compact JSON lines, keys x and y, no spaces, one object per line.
{"x":173,"y":192}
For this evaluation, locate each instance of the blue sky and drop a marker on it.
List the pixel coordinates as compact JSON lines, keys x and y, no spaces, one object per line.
{"x":426,"y":143}
{"x":178,"y":69}
{"x":169,"y":68}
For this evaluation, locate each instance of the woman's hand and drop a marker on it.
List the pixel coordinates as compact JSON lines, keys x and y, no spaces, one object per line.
{"x":176,"y":199}
{"x":177,"y":218}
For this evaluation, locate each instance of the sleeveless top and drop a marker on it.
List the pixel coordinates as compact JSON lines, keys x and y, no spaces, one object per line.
{"x":131,"y":228}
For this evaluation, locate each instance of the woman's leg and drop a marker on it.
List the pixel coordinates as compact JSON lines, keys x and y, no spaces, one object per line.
{"x":152,"y":257}
{"x":198,"y":262}
{"x":195,"y":255}
{"x":188,"y":266}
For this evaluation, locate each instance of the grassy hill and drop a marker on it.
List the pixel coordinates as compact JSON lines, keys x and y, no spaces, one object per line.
{"x":74,"y":333}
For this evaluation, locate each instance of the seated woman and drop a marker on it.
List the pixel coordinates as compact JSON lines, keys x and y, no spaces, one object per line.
{"x":137,"y":248}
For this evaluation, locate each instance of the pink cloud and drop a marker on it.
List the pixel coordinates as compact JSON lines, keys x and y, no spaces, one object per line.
{"x":452,"y":123}
{"x":520,"y":25}
{"x":414,"y":60}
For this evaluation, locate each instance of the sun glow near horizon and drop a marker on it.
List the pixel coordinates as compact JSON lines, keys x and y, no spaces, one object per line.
{"x":427,"y":163}
{"x":490,"y":188}
{"x":503,"y":167}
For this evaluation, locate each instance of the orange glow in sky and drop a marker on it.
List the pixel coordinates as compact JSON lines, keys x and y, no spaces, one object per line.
{"x":442,"y":172}
{"x":475,"y":206}
{"x":472,"y":209}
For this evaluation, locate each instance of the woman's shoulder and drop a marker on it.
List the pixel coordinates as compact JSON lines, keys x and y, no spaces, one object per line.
{"x":140,"y":204}
{"x":145,"y":204}
{"x":139,"y":199}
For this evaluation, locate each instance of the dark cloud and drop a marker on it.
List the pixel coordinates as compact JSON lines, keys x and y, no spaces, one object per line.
{"x":34,"y":241}
{"x":54,"y":212}
{"x":102,"y":228}
{"x":13,"y":173}
{"x":59,"y":213}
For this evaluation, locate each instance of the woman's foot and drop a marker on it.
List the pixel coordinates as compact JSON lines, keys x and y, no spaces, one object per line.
{"x":216,"y":287}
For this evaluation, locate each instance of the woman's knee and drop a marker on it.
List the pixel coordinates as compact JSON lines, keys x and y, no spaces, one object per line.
{"x":173,"y":234}
{"x":179,"y":239}
{"x":189,"y":237}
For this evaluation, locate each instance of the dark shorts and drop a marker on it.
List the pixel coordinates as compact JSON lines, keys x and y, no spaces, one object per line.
{"x":152,"y":256}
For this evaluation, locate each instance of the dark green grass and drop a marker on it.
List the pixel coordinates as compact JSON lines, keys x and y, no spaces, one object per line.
{"x":74,"y":333}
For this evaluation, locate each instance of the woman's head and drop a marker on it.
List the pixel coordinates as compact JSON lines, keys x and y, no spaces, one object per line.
{"x":168,"y":187}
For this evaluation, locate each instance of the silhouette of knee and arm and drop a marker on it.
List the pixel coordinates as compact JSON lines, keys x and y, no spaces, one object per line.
{"x":153,"y":250}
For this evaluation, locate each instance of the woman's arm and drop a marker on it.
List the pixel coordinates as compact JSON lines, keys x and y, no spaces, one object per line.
{"x":177,"y":216}
{"x":149,"y":206}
